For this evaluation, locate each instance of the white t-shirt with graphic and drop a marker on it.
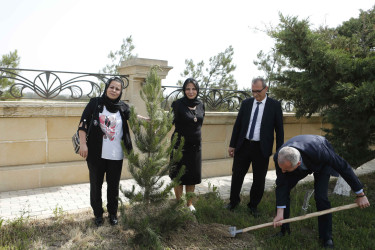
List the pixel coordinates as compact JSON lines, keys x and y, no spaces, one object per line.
{"x":111,"y":125}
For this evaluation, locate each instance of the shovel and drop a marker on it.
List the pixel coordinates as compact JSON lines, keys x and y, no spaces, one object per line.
{"x":233,"y":231}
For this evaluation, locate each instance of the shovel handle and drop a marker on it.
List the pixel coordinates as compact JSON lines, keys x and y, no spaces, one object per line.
{"x":302,"y":217}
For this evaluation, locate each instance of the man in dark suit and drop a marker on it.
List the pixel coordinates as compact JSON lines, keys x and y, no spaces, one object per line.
{"x":303,"y":155}
{"x":252,"y":142}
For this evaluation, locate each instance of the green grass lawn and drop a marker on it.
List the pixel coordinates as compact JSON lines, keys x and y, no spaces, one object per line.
{"x":352,"y":229}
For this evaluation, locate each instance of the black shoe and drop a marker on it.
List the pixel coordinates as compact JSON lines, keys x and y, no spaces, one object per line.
{"x":282,"y":233}
{"x":328,"y":243}
{"x":254,"y":211}
{"x":99,"y":221}
{"x":113,"y":219}
{"x":230,"y":206}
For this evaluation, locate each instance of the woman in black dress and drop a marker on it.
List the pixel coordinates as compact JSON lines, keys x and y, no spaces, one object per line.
{"x":188,"y":119}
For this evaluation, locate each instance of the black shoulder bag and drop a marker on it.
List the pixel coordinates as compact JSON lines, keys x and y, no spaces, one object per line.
{"x":75,"y":137}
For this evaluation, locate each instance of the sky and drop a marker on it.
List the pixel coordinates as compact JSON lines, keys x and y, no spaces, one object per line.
{"x":77,"y":35}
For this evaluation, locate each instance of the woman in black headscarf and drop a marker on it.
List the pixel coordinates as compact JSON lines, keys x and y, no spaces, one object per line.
{"x":189,"y":113}
{"x":103,"y":152}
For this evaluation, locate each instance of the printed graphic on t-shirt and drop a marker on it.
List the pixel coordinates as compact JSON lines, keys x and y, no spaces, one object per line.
{"x":108,"y":126}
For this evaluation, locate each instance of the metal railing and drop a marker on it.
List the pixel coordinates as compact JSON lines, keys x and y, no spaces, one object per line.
{"x":214,"y":99}
{"x":51,"y":84}
{"x":65,"y":85}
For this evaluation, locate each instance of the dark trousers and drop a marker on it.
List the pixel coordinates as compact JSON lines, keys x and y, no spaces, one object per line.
{"x":321,"y":199}
{"x":249,"y":153}
{"x":112,"y":170}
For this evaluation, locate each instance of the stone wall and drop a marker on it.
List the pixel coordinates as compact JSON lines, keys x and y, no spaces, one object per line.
{"x":35,"y":137}
{"x":36,"y":149}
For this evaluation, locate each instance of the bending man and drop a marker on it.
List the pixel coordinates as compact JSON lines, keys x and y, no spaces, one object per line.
{"x":307,"y":154}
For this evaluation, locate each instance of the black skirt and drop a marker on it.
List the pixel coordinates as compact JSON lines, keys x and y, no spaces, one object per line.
{"x":192,"y":159}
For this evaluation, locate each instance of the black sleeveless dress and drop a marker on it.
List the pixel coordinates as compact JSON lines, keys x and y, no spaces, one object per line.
{"x":188,"y":123}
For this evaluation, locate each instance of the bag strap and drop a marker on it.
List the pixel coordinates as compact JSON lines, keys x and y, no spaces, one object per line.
{"x":92,"y":118}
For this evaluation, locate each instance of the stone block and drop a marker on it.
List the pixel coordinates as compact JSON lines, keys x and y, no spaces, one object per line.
{"x":75,"y":111}
{"x":64,"y":173}
{"x":62,"y":127}
{"x":40,"y":109}
{"x":220,"y":118}
{"x":140,"y":67}
{"x":19,"y":178}
{"x":228,"y":135}
{"x":62,"y":151}
{"x":213,"y":150}
{"x":291,"y":130}
{"x":20,"y":153}
{"x":20,"y":129}
{"x":311,"y":128}
{"x":213,"y":133}
{"x":214,"y":168}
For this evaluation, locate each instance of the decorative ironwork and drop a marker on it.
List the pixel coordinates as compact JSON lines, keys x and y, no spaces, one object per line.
{"x":288,"y":107}
{"x":214,"y":99}
{"x":48,"y":84}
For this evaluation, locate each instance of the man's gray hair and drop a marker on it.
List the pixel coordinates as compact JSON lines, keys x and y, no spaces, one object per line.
{"x":289,"y":154}
{"x":255,"y":80}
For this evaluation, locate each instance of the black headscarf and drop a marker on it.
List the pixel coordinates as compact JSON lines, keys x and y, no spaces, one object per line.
{"x":112,"y":105}
{"x":191,"y":102}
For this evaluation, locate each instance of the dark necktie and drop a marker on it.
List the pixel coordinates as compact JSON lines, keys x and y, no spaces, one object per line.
{"x":251,"y":133}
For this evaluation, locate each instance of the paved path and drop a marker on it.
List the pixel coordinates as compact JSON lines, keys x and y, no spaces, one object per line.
{"x":41,"y":202}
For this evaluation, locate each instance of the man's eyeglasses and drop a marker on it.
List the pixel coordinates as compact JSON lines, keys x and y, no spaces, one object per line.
{"x":258,"y":91}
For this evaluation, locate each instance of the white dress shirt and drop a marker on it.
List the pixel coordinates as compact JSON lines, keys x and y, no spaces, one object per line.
{"x":256,"y":136}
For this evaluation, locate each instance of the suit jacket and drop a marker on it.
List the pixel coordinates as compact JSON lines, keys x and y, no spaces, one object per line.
{"x":272,"y":120}
{"x":318,"y":156}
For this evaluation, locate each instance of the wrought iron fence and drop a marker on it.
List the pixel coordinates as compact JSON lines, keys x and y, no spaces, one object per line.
{"x":214,"y":99}
{"x":64,"y":85}
{"x":48,"y":84}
